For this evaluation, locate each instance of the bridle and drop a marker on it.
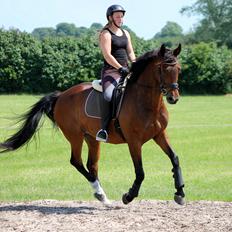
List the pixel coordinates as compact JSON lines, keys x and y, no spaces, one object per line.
{"x":165,"y":88}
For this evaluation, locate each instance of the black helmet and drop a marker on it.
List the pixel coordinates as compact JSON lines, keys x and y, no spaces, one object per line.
{"x":114,"y":8}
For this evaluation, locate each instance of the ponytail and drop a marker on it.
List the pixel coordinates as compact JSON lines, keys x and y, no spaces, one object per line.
{"x":105,"y":27}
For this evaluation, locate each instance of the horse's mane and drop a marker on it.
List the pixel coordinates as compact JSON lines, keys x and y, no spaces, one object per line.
{"x":141,"y":62}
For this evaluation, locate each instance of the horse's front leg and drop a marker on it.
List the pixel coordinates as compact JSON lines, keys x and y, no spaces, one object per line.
{"x":133,"y":192}
{"x":163,"y":142}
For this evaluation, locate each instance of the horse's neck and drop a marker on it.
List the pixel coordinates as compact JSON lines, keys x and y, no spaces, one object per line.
{"x":147,"y":77}
{"x":149,"y":84}
{"x":146,"y":94}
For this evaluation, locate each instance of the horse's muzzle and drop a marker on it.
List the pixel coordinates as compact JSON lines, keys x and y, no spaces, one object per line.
{"x":172,"y":99}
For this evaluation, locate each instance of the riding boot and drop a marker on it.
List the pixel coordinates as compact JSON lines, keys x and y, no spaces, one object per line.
{"x":102,"y":134}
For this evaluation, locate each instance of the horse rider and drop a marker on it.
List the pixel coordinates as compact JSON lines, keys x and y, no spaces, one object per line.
{"x":116,"y":47}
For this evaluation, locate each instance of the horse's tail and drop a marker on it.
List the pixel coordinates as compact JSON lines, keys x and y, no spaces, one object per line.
{"x":30,"y":121}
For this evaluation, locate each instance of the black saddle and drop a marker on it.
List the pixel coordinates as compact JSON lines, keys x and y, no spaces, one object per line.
{"x":93,"y":102}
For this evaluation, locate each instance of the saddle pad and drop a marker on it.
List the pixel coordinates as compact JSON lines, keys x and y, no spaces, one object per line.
{"x":92,"y":104}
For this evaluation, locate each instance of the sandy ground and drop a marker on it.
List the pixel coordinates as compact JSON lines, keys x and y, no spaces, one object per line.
{"x":51,"y":215}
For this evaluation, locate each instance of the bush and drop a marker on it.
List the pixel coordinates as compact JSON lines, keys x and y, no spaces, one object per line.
{"x":31,"y":65}
{"x":206,"y":68}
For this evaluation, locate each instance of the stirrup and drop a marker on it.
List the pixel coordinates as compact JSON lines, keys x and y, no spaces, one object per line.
{"x":102,"y":136}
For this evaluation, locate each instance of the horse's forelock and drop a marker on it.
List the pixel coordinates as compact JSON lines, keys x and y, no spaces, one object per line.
{"x":169,"y":57}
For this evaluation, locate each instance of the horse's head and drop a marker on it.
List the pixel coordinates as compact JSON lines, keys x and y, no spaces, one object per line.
{"x":162,"y":66}
{"x":169,"y":70}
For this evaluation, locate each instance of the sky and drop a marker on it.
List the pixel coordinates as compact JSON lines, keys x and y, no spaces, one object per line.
{"x":144,"y":17}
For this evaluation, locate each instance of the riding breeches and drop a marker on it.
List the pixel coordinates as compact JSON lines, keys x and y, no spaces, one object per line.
{"x":110,"y":78}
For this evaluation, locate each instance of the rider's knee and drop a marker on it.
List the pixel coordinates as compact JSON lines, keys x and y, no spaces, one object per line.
{"x":107,"y":95}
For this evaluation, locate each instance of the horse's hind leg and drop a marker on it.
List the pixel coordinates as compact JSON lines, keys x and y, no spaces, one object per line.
{"x":76,"y":160}
{"x":163,"y":142}
{"x":92,"y":165}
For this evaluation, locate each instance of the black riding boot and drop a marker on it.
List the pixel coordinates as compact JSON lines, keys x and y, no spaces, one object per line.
{"x":102,"y":134}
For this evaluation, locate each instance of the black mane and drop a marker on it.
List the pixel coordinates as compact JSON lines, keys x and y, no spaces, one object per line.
{"x":141,"y":62}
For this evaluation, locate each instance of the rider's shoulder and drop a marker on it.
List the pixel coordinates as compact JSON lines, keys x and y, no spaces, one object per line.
{"x":126,"y":32}
{"x":105,"y":34}
{"x":105,"y":31}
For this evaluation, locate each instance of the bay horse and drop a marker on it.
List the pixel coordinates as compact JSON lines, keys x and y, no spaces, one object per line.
{"x":143,"y":116}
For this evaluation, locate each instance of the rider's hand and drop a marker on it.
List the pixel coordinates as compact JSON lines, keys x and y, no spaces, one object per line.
{"x":124,"y":71}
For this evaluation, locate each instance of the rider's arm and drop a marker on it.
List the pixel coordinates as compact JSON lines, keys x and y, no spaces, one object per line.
{"x":130,"y":50}
{"x":105,"y":45}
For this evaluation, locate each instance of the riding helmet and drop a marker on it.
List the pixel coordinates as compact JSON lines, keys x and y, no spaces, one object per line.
{"x":114,"y":8}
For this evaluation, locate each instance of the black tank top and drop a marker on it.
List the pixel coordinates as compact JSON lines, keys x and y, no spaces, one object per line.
{"x":118,"y":48}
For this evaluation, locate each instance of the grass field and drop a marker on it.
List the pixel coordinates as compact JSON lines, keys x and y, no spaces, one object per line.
{"x":200,"y":130}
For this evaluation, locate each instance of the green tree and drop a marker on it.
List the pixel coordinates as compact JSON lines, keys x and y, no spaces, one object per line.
{"x":171,"y":29}
{"x":66,"y":29}
{"x":170,"y":35}
{"x":216,"y":20}
{"x":96,"y":26}
{"x":43,"y":32}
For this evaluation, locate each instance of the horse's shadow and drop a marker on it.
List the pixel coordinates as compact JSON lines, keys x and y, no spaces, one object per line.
{"x":47,"y":210}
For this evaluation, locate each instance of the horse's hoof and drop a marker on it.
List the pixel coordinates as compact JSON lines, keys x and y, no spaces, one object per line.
{"x":126,"y":198}
{"x":179,"y":199}
{"x":102,"y":198}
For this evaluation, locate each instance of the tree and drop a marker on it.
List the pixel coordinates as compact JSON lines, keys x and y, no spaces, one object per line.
{"x":43,"y":32}
{"x":96,"y":26}
{"x":170,"y":35}
{"x":216,"y":20}
{"x":66,"y":29}
{"x":171,"y":29}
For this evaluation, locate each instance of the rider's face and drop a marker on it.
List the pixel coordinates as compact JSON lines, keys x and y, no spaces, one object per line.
{"x":118,"y":18}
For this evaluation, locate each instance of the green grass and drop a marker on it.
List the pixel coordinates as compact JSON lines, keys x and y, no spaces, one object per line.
{"x":200,"y":130}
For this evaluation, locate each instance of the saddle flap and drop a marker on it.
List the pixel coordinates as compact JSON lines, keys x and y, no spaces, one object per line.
{"x":93,"y":101}
{"x":93,"y":104}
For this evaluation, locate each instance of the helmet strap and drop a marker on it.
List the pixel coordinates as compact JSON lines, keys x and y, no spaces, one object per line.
{"x":115,"y":23}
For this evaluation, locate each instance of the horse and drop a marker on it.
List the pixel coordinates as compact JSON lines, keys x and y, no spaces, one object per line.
{"x":143,"y":116}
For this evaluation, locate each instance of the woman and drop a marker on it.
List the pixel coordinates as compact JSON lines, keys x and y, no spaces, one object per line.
{"x":116,"y":47}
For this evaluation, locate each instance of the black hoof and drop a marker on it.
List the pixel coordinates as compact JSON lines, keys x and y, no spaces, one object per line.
{"x":126,"y":198}
{"x":179,"y":199}
{"x":99,"y":197}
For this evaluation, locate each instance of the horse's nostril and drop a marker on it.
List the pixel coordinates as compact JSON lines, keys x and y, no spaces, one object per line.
{"x":170,"y":99}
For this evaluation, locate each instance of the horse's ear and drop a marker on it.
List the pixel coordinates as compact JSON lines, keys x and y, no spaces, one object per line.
{"x":162,"y":50}
{"x":177,"y":51}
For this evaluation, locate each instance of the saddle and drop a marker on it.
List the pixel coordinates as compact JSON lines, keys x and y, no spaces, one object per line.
{"x":93,"y":101}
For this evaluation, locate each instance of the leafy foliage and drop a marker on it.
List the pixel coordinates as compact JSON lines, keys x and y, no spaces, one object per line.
{"x":50,"y":59}
{"x":19,"y":60}
{"x":216,"y":21}
{"x":206,"y":69}
{"x":171,"y":29}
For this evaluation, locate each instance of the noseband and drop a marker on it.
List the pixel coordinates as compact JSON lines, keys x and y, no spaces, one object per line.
{"x":165,"y":88}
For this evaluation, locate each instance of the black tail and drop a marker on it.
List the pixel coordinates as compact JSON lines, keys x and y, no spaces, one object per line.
{"x":30,"y":121}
